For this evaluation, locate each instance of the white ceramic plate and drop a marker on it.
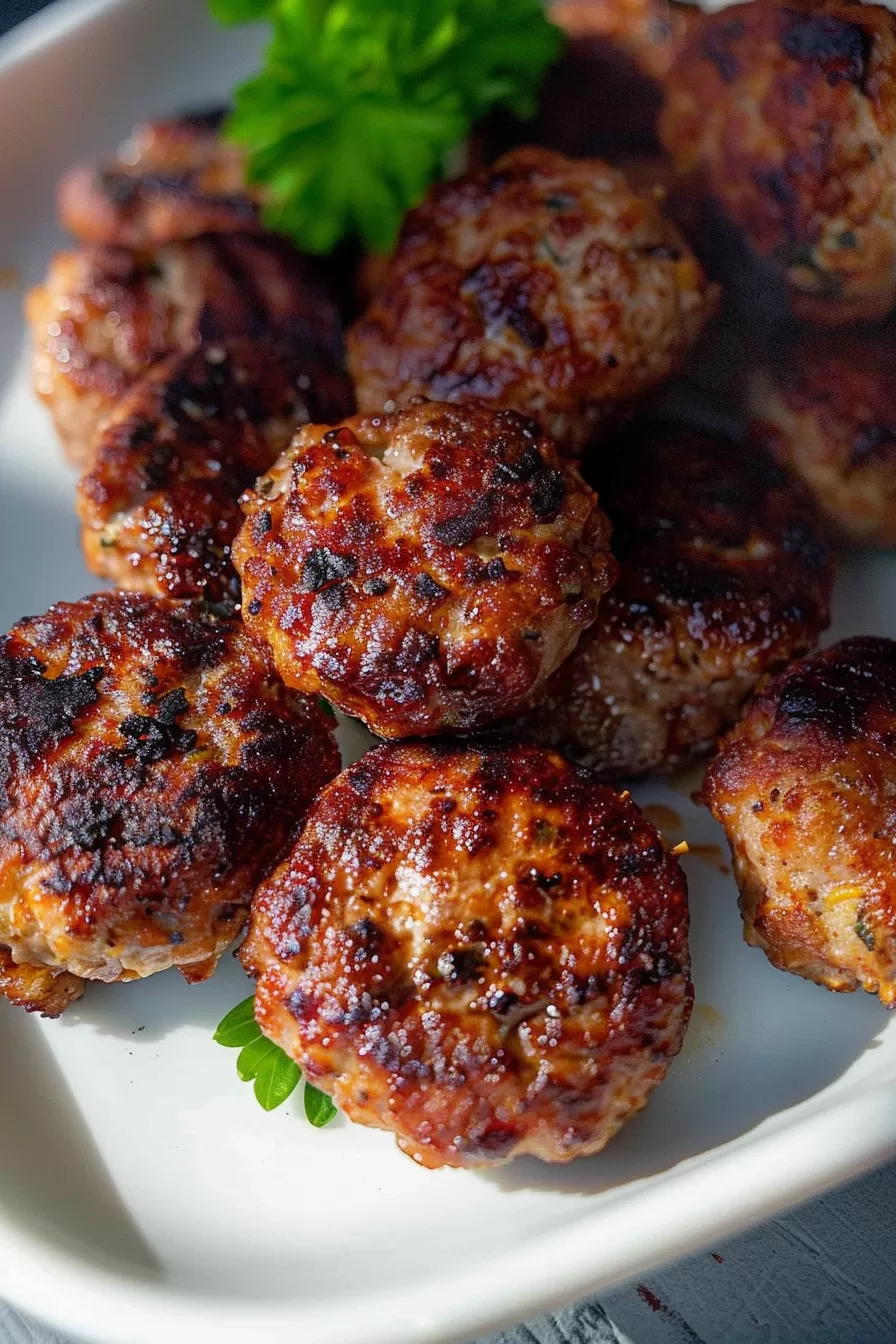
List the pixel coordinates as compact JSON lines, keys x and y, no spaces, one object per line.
{"x":144,"y":1196}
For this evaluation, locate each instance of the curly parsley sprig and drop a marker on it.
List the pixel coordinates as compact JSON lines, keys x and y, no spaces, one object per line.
{"x":260,"y":1061}
{"x":359,"y":103}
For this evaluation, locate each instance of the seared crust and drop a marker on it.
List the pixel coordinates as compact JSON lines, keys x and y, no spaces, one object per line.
{"x":478,"y":948}
{"x":787,"y":113}
{"x":723,"y":576}
{"x":171,"y":179}
{"x":542,"y":284}
{"x":805,"y":787}
{"x":828,"y":414}
{"x":151,"y":768}
{"x":37,"y":989}
{"x":425,"y":570}
{"x":160,"y":506}
{"x":104,"y":314}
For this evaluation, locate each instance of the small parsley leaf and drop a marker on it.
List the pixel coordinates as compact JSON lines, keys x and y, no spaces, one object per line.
{"x":239,"y":1027}
{"x":251,"y":1058}
{"x":319,"y":1109}
{"x":240,"y":11}
{"x":276,"y":1079}
{"x":359,"y":103}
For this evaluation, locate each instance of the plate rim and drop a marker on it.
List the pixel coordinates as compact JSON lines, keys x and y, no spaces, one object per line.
{"x":796,"y":1155}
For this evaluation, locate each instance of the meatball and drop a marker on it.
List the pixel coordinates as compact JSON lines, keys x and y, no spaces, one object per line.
{"x":424,"y":570}
{"x":478,"y":948}
{"x":152,"y":766}
{"x":160,"y":505}
{"x":805,"y":787}
{"x":723,"y":576}
{"x":828,"y":414}
{"x":170,"y":179}
{"x":542,"y":285}
{"x":104,"y":314}
{"x":787,"y":114}
{"x":651,"y":31}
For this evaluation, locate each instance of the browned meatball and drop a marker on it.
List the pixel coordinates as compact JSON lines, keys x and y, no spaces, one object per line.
{"x":171,"y":179}
{"x":651,"y":31}
{"x":160,"y":505}
{"x":478,"y":948}
{"x":425,"y":570}
{"x":152,"y":766}
{"x":787,"y":113}
{"x":104,"y":314}
{"x":541,"y":284}
{"x":723,"y":576}
{"x":805,"y":787}
{"x":827,"y":411}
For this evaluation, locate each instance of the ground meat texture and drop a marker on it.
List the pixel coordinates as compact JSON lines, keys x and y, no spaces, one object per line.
{"x":540,"y":284}
{"x":787,"y":116}
{"x":425,"y":570}
{"x":805,"y":787}
{"x":477,"y":948}
{"x":37,"y":989}
{"x":160,"y":505}
{"x":723,"y":576}
{"x":152,"y":766}
{"x":826,"y":409}
{"x":170,"y":179}
{"x":104,"y":315}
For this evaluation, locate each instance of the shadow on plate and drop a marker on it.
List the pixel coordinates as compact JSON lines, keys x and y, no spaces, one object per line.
{"x":56,"y":1180}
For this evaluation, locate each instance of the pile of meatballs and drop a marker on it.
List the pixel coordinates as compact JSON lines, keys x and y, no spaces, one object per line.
{"x":445,"y":494}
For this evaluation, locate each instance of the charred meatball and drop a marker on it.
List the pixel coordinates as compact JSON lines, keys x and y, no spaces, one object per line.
{"x":105,"y":314}
{"x":723,"y":576}
{"x":805,"y":787}
{"x":151,"y":768}
{"x":160,"y":505}
{"x":827,"y":412}
{"x":478,"y":948}
{"x":541,"y":284}
{"x":425,"y":570}
{"x":170,"y":179}
{"x":787,"y":114}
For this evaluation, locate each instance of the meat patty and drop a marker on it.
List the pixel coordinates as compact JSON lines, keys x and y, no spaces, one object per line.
{"x":170,"y":179}
{"x":425,"y":570}
{"x":723,"y":575}
{"x":152,"y":766}
{"x":787,"y":115}
{"x":160,"y":505}
{"x":104,"y":314}
{"x":805,"y":787}
{"x":827,"y":411}
{"x":540,"y":284}
{"x":650,"y":31}
{"x":478,"y":948}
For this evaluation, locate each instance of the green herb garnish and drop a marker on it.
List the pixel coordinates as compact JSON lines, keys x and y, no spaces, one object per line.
{"x":360,"y":102}
{"x":274,"y":1075}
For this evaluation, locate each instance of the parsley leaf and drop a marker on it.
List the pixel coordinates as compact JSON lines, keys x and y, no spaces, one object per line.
{"x":319,"y":1109}
{"x":276,"y":1080}
{"x":274,"y":1074}
{"x":359,"y":103}
{"x":239,"y":1026}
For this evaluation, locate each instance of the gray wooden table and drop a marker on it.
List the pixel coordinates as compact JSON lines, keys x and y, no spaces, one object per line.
{"x":825,"y":1274}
